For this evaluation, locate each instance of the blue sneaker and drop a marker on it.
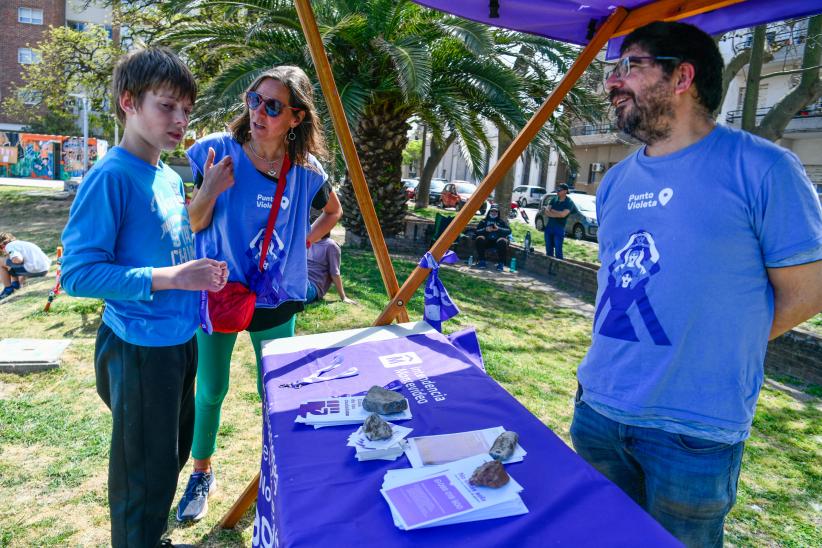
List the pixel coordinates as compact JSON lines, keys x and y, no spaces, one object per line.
{"x":194,"y":504}
{"x":500,"y":266}
{"x":481,"y":264}
{"x":15,"y":285}
{"x":6,"y":292}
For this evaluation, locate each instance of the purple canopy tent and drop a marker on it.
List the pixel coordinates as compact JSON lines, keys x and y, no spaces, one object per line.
{"x":574,"y":21}
{"x":591,"y":23}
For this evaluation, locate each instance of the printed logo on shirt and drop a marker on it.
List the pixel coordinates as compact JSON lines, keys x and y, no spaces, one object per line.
{"x":265,"y":202}
{"x":175,"y":225}
{"x":628,"y":277}
{"x":649,"y":199}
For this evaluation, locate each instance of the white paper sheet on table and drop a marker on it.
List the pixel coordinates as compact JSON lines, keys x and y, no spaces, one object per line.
{"x":340,"y":411}
{"x":445,"y":448}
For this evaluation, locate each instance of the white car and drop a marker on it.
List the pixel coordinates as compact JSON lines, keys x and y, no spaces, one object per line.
{"x":525,"y":196}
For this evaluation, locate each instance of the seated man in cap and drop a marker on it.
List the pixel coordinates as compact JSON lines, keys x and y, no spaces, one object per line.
{"x":492,"y":232}
{"x":25,"y":260}
{"x":558,"y":210}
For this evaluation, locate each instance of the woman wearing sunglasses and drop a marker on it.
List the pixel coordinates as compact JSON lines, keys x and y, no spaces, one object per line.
{"x":229,"y":214}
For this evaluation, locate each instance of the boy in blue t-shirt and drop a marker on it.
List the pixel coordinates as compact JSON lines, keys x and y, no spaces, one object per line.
{"x":711,"y":244}
{"x":128,"y":241}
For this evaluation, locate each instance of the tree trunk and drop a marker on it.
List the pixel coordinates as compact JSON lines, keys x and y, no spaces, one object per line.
{"x":506,"y":185}
{"x":434,"y":158}
{"x":380,"y":138}
{"x":809,"y":89}
{"x":752,"y":82}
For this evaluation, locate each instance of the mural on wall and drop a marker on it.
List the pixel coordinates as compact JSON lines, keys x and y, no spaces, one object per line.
{"x":53,"y":157}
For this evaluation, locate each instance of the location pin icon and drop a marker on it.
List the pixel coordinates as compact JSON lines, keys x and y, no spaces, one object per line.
{"x":665,"y":195}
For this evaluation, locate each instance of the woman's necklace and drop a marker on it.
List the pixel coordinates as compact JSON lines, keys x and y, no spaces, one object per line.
{"x":271,"y":172}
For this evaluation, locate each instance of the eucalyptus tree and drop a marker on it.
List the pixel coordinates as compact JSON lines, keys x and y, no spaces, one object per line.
{"x":393,"y":61}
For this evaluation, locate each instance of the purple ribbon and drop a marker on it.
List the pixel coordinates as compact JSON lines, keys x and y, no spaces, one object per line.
{"x":438,"y":305}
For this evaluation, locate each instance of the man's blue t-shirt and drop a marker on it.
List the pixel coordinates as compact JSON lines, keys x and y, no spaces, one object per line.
{"x":128,"y":217}
{"x":684,"y":306}
{"x":240,"y":214}
{"x":561,"y":205}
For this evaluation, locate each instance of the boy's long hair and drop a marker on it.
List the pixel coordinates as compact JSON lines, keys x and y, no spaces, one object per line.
{"x":147,"y":70}
{"x":309,"y":133}
{"x":6,"y":237}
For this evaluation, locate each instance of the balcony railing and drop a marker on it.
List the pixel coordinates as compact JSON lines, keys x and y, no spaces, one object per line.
{"x":811,"y":111}
{"x":593,"y":129}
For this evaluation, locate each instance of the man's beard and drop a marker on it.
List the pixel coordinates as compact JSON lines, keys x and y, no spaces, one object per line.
{"x":649,"y":122}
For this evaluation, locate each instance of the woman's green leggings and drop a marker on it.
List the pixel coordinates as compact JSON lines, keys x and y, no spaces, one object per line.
{"x":213,"y":363}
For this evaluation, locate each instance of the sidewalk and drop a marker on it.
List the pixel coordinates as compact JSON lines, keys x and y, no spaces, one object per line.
{"x":34,"y":183}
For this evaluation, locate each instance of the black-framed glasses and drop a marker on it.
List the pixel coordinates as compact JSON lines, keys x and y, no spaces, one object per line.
{"x":622,"y":69}
{"x":273,"y":107}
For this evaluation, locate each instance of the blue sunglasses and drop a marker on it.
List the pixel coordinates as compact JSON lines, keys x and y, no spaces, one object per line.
{"x":273,"y":107}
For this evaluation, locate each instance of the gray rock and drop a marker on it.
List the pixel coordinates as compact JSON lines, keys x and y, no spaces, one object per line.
{"x":375,"y":428}
{"x":504,"y":445}
{"x":385,"y":402}
{"x":490,"y":474}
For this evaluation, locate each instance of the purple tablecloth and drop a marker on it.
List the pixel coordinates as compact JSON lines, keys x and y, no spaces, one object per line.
{"x":313,"y":492}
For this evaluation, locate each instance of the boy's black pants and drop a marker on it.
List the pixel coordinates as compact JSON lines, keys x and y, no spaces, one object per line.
{"x":150,"y":391}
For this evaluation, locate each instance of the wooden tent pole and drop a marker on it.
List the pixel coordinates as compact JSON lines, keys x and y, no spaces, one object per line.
{"x":505,"y":163}
{"x":668,"y":10}
{"x":343,"y":131}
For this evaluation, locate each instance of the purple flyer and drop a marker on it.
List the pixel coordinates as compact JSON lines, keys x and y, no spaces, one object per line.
{"x":427,"y":500}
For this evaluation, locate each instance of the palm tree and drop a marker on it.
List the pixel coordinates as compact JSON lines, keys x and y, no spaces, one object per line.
{"x":393,"y":61}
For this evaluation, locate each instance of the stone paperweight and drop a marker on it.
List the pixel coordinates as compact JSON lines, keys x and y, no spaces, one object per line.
{"x":375,"y":428}
{"x":504,"y":445}
{"x":490,"y":474}
{"x":385,"y":402}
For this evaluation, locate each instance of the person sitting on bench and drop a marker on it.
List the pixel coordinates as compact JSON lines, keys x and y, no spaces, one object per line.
{"x":25,"y":260}
{"x":492,"y":232}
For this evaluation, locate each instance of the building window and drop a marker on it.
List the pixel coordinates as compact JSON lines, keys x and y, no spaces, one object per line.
{"x":77,"y":25}
{"x":30,"y":16}
{"x":26,"y":56}
{"x":30,"y":97}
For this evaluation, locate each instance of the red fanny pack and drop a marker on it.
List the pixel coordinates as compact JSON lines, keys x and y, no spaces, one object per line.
{"x":232,"y":308}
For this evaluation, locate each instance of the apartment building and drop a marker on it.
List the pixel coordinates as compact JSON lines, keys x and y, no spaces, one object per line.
{"x":24,"y":23}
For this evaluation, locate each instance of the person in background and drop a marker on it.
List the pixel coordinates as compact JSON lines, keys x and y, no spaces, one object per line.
{"x":323,"y":270}
{"x":25,"y":260}
{"x":492,"y":232}
{"x":559,"y":208}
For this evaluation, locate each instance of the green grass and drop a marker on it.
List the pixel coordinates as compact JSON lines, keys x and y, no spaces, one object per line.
{"x":573,"y":249}
{"x":54,"y":430}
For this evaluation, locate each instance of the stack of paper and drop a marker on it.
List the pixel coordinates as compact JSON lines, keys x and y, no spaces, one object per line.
{"x":445,"y":448}
{"x":337,"y":411}
{"x":387,"y":449}
{"x":442,"y":495}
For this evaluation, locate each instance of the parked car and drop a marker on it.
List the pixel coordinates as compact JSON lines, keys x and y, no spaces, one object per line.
{"x":436,"y":189}
{"x":456,"y":193}
{"x":409,"y":186}
{"x":579,"y":225}
{"x":527,"y":195}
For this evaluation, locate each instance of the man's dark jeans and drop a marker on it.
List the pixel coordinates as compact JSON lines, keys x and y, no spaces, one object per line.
{"x":150,"y":391}
{"x":687,"y":484}
{"x":554,"y":236}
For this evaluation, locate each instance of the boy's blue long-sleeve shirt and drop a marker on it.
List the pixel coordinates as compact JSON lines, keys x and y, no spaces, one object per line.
{"x":127,"y":218}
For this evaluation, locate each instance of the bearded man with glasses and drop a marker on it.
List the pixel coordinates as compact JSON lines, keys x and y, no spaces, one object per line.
{"x":278,"y":127}
{"x":711,"y":244}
